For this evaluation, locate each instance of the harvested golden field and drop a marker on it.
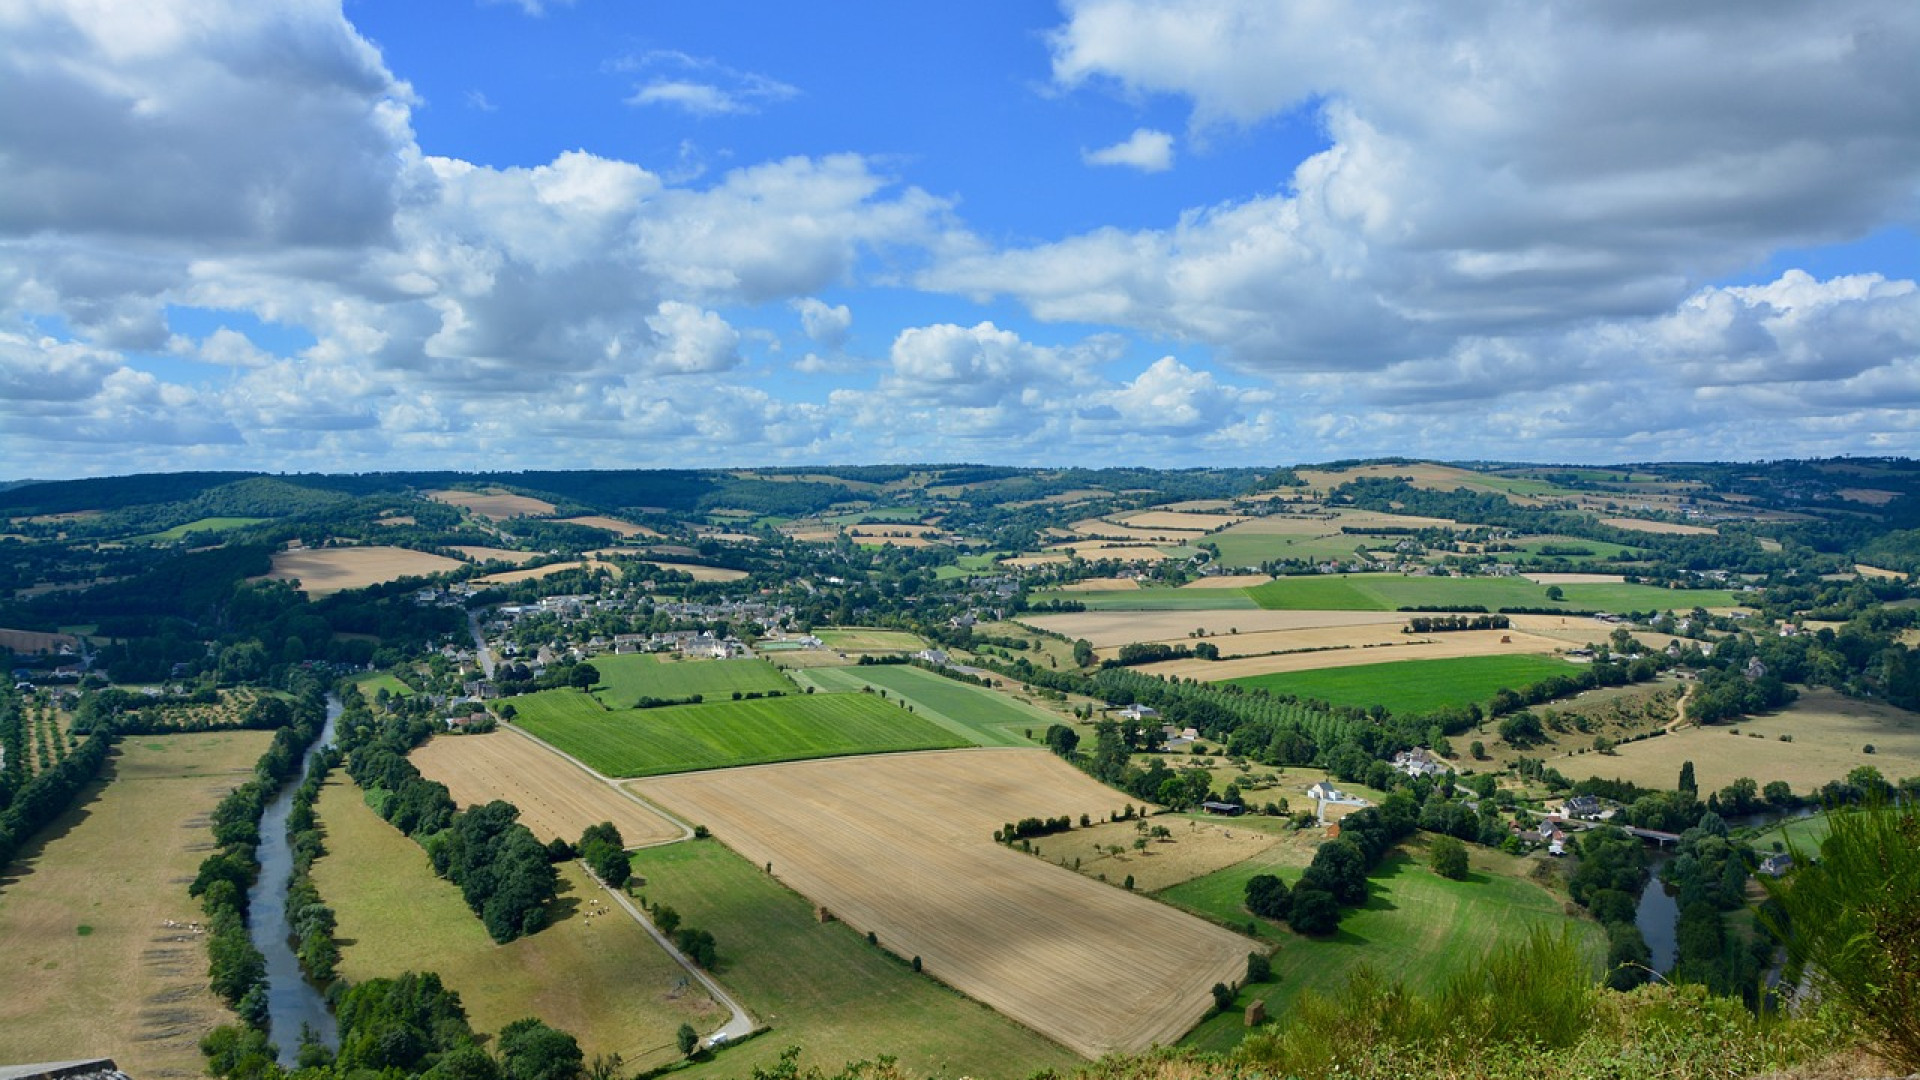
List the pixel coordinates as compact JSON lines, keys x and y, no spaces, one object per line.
{"x":508,"y":577}
{"x":1875,"y":572}
{"x":496,"y":505}
{"x":487,"y":554}
{"x":1405,"y":647}
{"x":1290,"y":525}
{"x":555,"y":796}
{"x":1870,"y":496}
{"x":1111,"y":549}
{"x":612,"y":525}
{"x":1829,"y":733}
{"x":92,"y":965}
{"x":901,"y":846}
{"x":1641,"y":525}
{"x":1107,"y":530}
{"x":1196,"y":848}
{"x":700,"y":573}
{"x":593,"y":972}
{"x":1036,"y":560}
{"x":1574,"y":579}
{"x":35,"y":641}
{"x":1104,"y":628}
{"x":328,"y":570}
{"x":1167,"y":519}
{"x":1369,"y":635}
{"x":1101,"y":584}
{"x":1229,"y":581}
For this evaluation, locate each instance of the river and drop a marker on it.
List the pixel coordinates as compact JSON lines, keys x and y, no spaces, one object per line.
{"x":293,"y":1003}
{"x":1658,"y":915}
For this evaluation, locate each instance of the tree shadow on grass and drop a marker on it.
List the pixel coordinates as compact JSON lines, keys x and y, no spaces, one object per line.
{"x":30,"y":852}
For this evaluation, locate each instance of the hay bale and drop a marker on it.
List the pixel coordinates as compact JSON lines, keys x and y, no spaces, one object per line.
{"x":1256,"y":1012}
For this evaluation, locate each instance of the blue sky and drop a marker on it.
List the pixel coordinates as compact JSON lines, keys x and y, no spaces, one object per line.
{"x":536,"y":233}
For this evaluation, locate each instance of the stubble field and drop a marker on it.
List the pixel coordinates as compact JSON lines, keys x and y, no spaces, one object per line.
{"x":91,"y":966}
{"x":902,"y":847}
{"x":497,"y":505}
{"x":556,"y":797}
{"x":329,"y":570}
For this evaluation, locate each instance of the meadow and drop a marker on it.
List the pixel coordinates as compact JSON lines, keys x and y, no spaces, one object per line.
{"x":203,"y":525}
{"x":1388,"y":592}
{"x":682,"y":738}
{"x":1417,"y":927}
{"x":596,"y":976}
{"x":95,"y":914}
{"x":1410,"y":687}
{"x":974,"y":713}
{"x":1156,"y":599}
{"x":820,"y":986}
{"x":861,"y":639}
{"x":901,"y":847}
{"x":625,"y":679}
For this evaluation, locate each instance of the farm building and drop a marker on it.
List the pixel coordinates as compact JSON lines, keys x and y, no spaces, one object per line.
{"x":1420,"y":762}
{"x":1225,"y":809}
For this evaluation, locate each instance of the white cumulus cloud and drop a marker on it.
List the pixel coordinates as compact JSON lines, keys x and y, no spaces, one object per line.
{"x":1146,"y":149}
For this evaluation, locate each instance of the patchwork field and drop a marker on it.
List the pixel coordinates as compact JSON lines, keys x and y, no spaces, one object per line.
{"x":1114,"y":628}
{"x":1413,"y":686}
{"x":1228,"y":581}
{"x":679,"y":738}
{"x":497,"y":505}
{"x":92,"y":966}
{"x":1138,"y":599}
{"x":1183,"y":521}
{"x":1386,"y":592}
{"x":1642,"y":525}
{"x":625,"y":679}
{"x":822,"y":987}
{"x":1197,"y":847}
{"x":510,"y":577}
{"x":204,"y":525}
{"x":1829,"y":735}
{"x":700,"y":573}
{"x":597,"y":976}
{"x":612,"y":525}
{"x":859,"y":639}
{"x":329,"y":570}
{"x":35,"y":641}
{"x":487,"y":554}
{"x":975,"y":713}
{"x":1347,"y":648}
{"x":556,"y":798}
{"x":901,"y":847}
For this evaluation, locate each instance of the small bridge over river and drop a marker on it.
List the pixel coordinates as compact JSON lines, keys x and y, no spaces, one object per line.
{"x":1652,"y":836}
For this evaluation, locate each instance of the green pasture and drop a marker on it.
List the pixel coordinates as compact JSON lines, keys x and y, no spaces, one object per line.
{"x":1600,"y":549}
{"x":1417,"y":927}
{"x":627,"y":678}
{"x":1155,"y":599}
{"x":375,"y":682}
{"x":976,"y":714}
{"x":1238,"y":549}
{"x":1390,"y":592}
{"x":204,"y":525}
{"x":1411,"y":687}
{"x":869,"y":639}
{"x":820,"y":986}
{"x":687,"y":738}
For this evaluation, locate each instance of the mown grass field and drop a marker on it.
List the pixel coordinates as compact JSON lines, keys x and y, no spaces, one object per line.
{"x":821,"y":987}
{"x":203,"y":525}
{"x":377,"y":681}
{"x":599,"y":977}
{"x":628,"y":678}
{"x":90,"y":966}
{"x":1389,"y":592}
{"x":684,"y":738}
{"x":1417,"y":927}
{"x":1157,"y":599}
{"x":869,"y":639}
{"x":1413,"y":686}
{"x":974,"y":713}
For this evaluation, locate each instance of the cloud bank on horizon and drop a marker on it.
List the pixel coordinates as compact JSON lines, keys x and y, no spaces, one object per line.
{"x":1166,"y":232}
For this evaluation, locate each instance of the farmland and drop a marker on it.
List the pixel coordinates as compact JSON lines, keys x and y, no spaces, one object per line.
{"x":494,"y":504}
{"x":901,"y":847}
{"x":821,"y":986}
{"x":612,"y":525}
{"x":1414,"y":686}
{"x":92,"y":965}
{"x":203,"y":525}
{"x":627,"y":678}
{"x":1350,"y":647}
{"x":556,"y":797}
{"x":699,"y":573}
{"x":974,"y":713}
{"x":328,"y":570}
{"x":1416,"y":927}
{"x":679,"y":738}
{"x":1159,"y":599}
{"x":1114,"y":628}
{"x":488,"y":554}
{"x":1386,"y":592}
{"x":860,"y":639}
{"x":1829,"y":733}
{"x":597,"y":976}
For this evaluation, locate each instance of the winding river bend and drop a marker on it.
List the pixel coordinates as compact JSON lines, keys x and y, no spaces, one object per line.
{"x":293,"y":1003}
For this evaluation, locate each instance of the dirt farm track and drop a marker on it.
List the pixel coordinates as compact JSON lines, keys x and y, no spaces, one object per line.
{"x":902,"y":846}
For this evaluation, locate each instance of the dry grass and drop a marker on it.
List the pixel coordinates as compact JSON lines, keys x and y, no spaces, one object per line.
{"x":1195,"y":849}
{"x":35,"y":641}
{"x":594,"y":972}
{"x":612,"y":525}
{"x":1112,"y":628}
{"x":1036,"y":560}
{"x":509,"y":577}
{"x":1574,"y":579}
{"x":1870,"y":496}
{"x":1111,"y":549}
{"x":487,"y":554}
{"x":1828,"y":732}
{"x":1097,"y":529}
{"x":901,"y":846}
{"x":1228,"y":581}
{"x":90,"y":965}
{"x":1640,"y":525}
{"x":1876,"y":572}
{"x":1168,"y":519}
{"x":329,"y":570}
{"x":556,"y":797}
{"x":1398,"y":647}
{"x":1101,"y":584}
{"x":398,"y":519}
{"x":496,"y":505}
{"x":701,"y":573}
